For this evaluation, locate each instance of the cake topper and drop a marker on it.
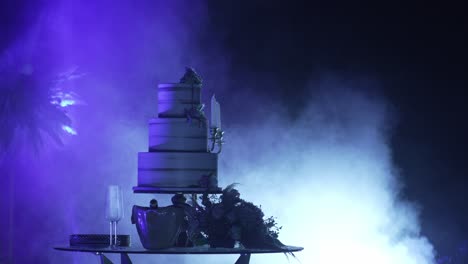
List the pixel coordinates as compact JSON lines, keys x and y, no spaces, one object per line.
{"x":191,"y":77}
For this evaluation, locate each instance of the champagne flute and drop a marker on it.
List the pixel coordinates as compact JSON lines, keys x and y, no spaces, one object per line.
{"x":114,"y":211}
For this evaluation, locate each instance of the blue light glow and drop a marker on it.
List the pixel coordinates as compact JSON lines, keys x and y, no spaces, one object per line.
{"x":63,"y":99}
{"x":69,"y":130}
{"x":67,"y":102}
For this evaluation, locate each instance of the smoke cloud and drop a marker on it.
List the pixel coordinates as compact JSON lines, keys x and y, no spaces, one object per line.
{"x":329,"y":178}
{"x":326,"y":173}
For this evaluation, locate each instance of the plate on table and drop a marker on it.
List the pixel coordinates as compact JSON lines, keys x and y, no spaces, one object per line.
{"x":97,"y":240}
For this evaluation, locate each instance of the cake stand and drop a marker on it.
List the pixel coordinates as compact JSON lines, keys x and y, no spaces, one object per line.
{"x":244,"y":257}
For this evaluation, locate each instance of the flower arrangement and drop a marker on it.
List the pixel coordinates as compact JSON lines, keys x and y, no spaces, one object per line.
{"x":229,"y":221}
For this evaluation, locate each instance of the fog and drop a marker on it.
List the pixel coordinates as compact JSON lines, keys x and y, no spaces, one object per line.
{"x":326,"y":173}
{"x":329,"y":178}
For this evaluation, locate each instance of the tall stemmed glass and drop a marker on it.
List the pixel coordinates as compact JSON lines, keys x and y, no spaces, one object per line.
{"x":114,"y":211}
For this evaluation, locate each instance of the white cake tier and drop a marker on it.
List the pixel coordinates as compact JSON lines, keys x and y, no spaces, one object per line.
{"x":177,"y":134}
{"x":174,"y":169}
{"x":175,"y":98}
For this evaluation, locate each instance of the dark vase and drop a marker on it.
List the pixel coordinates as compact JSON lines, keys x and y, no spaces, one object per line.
{"x":158,"y":228}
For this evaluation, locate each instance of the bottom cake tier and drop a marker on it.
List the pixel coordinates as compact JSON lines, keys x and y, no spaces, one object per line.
{"x":178,"y":169}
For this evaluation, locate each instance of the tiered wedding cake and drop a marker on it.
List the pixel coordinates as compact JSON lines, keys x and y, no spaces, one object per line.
{"x":178,"y":156}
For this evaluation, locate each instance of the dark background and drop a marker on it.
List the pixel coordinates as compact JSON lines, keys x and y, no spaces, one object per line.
{"x":415,"y":52}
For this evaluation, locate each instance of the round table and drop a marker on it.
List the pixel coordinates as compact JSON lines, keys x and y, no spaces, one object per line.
{"x":125,"y":259}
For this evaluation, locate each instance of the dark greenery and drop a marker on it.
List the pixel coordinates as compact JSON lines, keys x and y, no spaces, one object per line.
{"x":223,"y":220}
{"x":26,"y":110}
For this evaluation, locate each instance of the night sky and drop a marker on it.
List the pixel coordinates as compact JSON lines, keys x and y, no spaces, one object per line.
{"x":412,"y":54}
{"x":416,"y":54}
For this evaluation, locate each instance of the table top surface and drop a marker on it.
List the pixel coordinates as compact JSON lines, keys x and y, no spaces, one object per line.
{"x":178,"y":250}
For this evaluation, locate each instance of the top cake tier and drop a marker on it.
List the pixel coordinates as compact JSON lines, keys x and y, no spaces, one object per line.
{"x":175,"y":99}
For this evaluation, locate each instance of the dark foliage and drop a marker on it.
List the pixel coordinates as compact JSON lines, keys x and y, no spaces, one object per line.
{"x":27,"y":110}
{"x":226,"y":219}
